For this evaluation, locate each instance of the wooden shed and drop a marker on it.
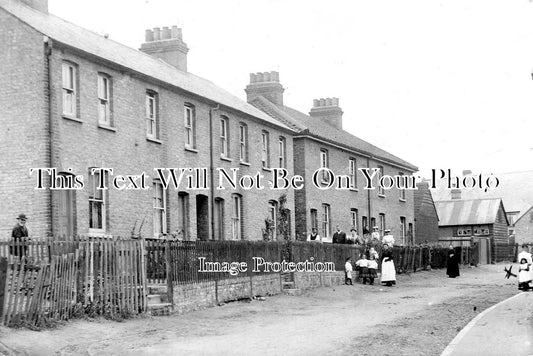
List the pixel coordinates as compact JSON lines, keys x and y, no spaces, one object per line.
{"x":477,"y":221}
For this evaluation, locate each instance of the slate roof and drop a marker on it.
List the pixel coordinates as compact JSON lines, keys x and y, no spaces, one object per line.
{"x":82,"y":39}
{"x":307,"y":125}
{"x":515,"y":190}
{"x":468,"y":212}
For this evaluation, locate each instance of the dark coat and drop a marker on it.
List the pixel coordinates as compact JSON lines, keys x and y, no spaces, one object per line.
{"x":339,"y":237}
{"x":18,"y":246}
{"x":452,"y":262}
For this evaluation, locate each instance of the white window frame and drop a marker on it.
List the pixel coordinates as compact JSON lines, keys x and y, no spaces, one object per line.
{"x":464,"y":231}
{"x":189,"y":115}
{"x":160,"y":210}
{"x":265,"y":152}
{"x":243,"y":142}
{"x":151,"y":115}
{"x":326,"y":220}
{"x":224,"y":137}
{"x":324,"y":163}
{"x":381,"y":190}
{"x":104,"y":99}
{"x":354,"y":217}
{"x":352,"y":172}
{"x":70,"y":93}
{"x":282,"y":146}
{"x":402,"y":190}
{"x":95,"y":200}
{"x":236,"y":224}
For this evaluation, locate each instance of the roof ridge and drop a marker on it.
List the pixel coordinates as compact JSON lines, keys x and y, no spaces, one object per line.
{"x":268,"y":107}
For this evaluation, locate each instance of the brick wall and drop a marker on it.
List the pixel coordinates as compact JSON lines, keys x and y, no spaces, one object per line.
{"x":342,"y":201}
{"x":80,"y":143}
{"x":190,"y":297}
{"x":24,"y":139}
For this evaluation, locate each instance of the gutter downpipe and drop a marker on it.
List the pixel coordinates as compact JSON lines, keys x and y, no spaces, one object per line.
{"x":48,"y":53}
{"x":212,"y":171}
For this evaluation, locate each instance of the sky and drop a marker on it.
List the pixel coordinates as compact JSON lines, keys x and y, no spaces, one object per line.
{"x":440,"y":84}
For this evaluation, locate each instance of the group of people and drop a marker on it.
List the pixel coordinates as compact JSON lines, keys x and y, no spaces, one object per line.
{"x":367,"y":267}
{"x":353,"y":238}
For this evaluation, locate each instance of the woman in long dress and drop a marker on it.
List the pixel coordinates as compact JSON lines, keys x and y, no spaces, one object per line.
{"x":388,"y":271}
{"x":452,"y":269}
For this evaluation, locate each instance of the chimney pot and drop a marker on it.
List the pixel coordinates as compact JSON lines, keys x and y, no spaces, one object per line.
{"x":322,"y":102}
{"x":149,"y":36}
{"x":157,"y":34}
{"x":335,"y":101}
{"x":253,"y":78}
{"x":259,"y":77}
{"x":174,"y":32}
{"x":274,"y":76}
{"x":266,"y":76}
{"x":165,"y":33}
{"x":328,"y":101}
{"x":456,"y":194}
{"x":316,"y":103}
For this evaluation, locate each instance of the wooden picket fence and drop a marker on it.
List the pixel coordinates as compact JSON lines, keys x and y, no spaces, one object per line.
{"x":99,"y":277}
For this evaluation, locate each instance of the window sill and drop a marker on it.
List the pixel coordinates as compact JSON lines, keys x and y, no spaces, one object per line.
{"x":402,"y":200}
{"x":245,"y":163}
{"x":72,"y":118}
{"x":381,"y":195}
{"x":99,"y":234}
{"x":354,"y":190}
{"x":154,"y":140}
{"x":189,"y":149}
{"x":106,"y":127}
{"x":266,"y":169}
{"x":227,"y":159}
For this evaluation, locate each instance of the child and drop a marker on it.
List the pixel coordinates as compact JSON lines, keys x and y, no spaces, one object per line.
{"x":372,"y":268}
{"x":348,"y":272}
{"x":524,"y":275}
{"x":363,"y":268}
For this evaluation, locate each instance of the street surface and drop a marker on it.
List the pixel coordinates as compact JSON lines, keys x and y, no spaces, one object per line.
{"x":419,"y":316}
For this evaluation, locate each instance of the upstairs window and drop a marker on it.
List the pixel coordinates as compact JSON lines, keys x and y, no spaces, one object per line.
{"x":243,"y":142}
{"x":324,"y":163}
{"x":352,"y":170}
{"x":224,"y":137}
{"x":402,"y":190}
{"x":70,"y":95}
{"x":152,"y":130}
{"x":282,"y":152}
{"x":381,"y":190}
{"x":190,"y":126}
{"x":265,"y":151}
{"x":104,"y":99}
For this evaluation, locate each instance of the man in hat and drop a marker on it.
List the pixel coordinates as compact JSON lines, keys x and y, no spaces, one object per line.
{"x":388,"y":238}
{"x":19,"y":235}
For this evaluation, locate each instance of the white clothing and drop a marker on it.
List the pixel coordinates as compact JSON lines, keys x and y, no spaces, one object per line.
{"x":373,"y":264}
{"x":388,"y":239}
{"x":526,"y":255}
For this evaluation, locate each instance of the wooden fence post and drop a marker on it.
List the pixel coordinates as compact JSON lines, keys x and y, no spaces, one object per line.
{"x":170,"y":281}
{"x":3,"y":283}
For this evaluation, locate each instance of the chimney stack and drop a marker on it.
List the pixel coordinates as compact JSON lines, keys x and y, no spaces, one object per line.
{"x":167,"y":44}
{"x":456,"y":194}
{"x":328,"y":109}
{"x":265,"y":84}
{"x":40,"y":5}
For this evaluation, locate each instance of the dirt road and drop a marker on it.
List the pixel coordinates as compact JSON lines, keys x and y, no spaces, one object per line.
{"x":419,"y":316}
